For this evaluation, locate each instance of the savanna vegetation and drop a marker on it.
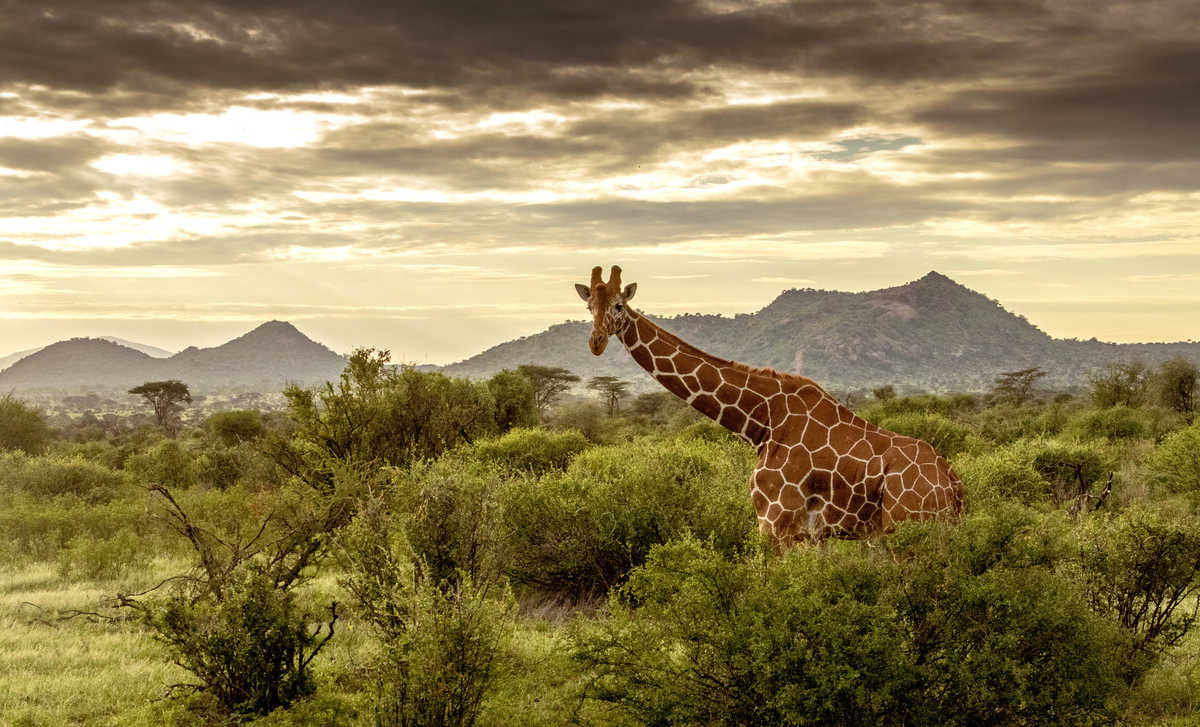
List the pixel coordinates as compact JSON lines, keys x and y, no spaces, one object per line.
{"x":403,"y":548}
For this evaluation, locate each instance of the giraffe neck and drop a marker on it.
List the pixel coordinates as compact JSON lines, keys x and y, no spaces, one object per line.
{"x":724,"y":391}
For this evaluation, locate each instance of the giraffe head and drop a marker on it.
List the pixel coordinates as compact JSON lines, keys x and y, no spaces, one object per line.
{"x":606,"y":301}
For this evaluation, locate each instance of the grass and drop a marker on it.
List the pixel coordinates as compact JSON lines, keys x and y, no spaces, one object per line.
{"x":77,"y":671}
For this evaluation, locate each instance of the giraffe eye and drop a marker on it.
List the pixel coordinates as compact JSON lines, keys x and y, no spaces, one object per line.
{"x":618,"y":306}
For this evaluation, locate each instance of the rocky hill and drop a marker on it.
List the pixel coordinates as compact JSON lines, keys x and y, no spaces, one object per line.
{"x":932,"y":333}
{"x":265,"y":359}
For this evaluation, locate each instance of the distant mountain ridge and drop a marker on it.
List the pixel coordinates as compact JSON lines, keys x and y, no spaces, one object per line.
{"x":933,"y":333}
{"x":154,"y":351}
{"x":266,"y":358}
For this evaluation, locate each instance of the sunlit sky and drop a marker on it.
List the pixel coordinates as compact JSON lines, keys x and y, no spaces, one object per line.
{"x":432,"y":178}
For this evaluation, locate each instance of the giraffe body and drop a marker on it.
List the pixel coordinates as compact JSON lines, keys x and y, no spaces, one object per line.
{"x":822,"y":470}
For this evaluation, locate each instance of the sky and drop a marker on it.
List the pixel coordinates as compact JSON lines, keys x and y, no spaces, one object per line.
{"x":433,"y":177}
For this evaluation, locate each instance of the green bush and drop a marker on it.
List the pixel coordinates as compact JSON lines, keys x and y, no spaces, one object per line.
{"x":449,"y":509}
{"x":52,"y":476}
{"x":535,"y":451}
{"x":441,"y":642}
{"x":580,"y":532}
{"x":167,"y":463}
{"x":87,"y":557}
{"x":948,"y":437}
{"x":1071,"y":469}
{"x":972,"y":625}
{"x":1143,"y":568}
{"x":1115,"y":423}
{"x":250,"y":646}
{"x":1175,"y":463}
{"x":999,"y":473}
{"x":587,"y":418}
{"x":515,"y":400}
{"x":36,"y":528}
{"x":237,"y":426}
{"x":22,"y":427}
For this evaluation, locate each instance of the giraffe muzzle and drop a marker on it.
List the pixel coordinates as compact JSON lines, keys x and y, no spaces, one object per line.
{"x":597,"y":342}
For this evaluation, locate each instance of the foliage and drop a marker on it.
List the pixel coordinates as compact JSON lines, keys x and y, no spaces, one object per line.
{"x":1143,"y":568}
{"x":611,"y":390}
{"x":948,"y":437}
{"x":1115,"y":423}
{"x":1016,"y":387}
{"x":587,"y":418}
{"x":234,"y":427}
{"x":22,"y":427}
{"x":515,"y":400}
{"x":1176,"y":384}
{"x":1120,"y":383}
{"x":167,"y":463}
{"x":967,"y":627}
{"x":250,"y":648}
{"x":549,"y":383}
{"x":884,"y":393}
{"x":377,"y":415}
{"x":165,"y":397}
{"x":52,"y":476}
{"x":534,"y":451}
{"x":1175,"y":462}
{"x":578,"y":533}
{"x":441,"y":643}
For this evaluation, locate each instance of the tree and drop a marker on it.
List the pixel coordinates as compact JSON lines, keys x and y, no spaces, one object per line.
{"x":516,"y":401}
{"x":549,"y":382}
{"x":1016,"y":387}
{"x":611,"y":390}
{"x":884,"y":393}
{"x":1120,"y":382}
{"x":165,"y":396}
{"x":22,"y":427}
{"x":1175,"y":386}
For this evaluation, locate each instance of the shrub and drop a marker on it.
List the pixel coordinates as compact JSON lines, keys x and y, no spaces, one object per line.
{"x":580,"y":532}
{"x":999,"y":473}
{"x":532,"y":450}
{"x":250,"y":647}
{"x":449,"y":509}
{"x":515,"y":400}
{"x":441,"y":642}
{"x":56,"y":475}
{"x":951,"y":626}
{"x":167,"y":463}
{"x":1176,"y":462}
{"x":1071,"y":470}
{"x":1142,"y":567}
{"x":949,"y":438}
{"x":1114,"y":423}
{"x":22,"y":427}
{"x":233,"y":427}
{"x":587,"y":418}
{"x":87,"y":557}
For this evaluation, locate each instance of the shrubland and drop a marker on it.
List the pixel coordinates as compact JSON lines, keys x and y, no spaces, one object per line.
{"x":407,"y":549}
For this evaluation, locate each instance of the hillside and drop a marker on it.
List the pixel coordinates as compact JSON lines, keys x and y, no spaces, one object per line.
{"x":933,"y":333}
{"x":153,"y":351}
{"x":264,"y":359}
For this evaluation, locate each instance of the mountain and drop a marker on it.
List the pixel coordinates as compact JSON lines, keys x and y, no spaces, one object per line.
{"x":153,"y":351}
{"x":265,"y":359}
{"x":933,"y":333}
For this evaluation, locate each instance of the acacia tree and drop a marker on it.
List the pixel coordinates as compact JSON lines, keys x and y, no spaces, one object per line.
{"x":165,"y":396}
{"x":549,"y":382}
{"x":1016,"y":387}
{"x":611,"y":389}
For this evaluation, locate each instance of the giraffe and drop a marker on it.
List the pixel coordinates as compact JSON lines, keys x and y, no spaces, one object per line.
{"x":822,"y":470}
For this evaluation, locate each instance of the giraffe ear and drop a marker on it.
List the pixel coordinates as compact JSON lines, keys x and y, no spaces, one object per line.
{"x":629,"y":291}
{"x":584,"y":291}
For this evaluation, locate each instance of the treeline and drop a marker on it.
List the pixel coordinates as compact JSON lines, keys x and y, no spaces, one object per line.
{"x":487,"y":553}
